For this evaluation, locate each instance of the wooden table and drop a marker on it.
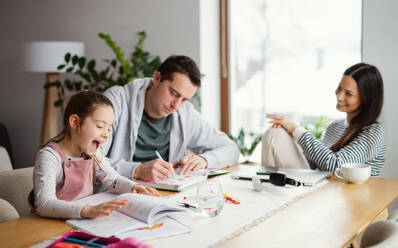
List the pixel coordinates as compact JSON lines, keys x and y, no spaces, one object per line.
{"x":331,"y":216}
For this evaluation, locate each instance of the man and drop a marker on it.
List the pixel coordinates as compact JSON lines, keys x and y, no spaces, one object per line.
{"x":155,"y":115}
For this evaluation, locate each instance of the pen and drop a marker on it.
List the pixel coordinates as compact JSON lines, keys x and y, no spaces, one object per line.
{"x":90,"y":239}
{"x":178,"y":165}
{"x":230,"y":199}
{"x":248,"y":178}
{"x":186,"y":205}
{"x":158,"y":154}
{"x":78,"y":241}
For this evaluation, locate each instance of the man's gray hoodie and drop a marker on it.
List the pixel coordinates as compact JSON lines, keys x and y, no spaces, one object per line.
{"x":189,"y":131}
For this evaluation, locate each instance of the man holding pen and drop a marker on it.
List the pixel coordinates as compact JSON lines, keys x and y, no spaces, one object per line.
{"x":154,"y":114}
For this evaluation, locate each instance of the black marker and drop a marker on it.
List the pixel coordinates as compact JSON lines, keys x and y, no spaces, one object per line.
{"x":249,"y":178}
{"x":186,"y":205}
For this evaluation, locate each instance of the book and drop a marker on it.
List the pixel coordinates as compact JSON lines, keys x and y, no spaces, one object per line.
{"x":182,"y":182}
{"x":141,"y":211}
{"x":164,"y":227}
{"x":177,"y":182}
{"x":211,"y":172}
{"x":206,"y":172}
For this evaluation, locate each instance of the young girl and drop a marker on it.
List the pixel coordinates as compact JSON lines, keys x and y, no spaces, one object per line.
{"x":69,"y":164}
{"x":360,"y":138}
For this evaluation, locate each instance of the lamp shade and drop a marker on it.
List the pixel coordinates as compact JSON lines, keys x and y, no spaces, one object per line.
{"x":46,"y":56}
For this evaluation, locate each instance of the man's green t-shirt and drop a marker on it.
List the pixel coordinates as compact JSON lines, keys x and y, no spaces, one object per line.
{"x":153,"y":134}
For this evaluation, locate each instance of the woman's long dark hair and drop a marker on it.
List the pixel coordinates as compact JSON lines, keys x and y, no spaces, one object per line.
{"x":370,"y":84}
{"x":82,"y":104}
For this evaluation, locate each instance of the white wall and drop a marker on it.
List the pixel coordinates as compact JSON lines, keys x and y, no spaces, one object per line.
{"x":380,"y":40}
{"x":210,"y":61}
{"x":172,"y":27}
{"x":379,"y":47}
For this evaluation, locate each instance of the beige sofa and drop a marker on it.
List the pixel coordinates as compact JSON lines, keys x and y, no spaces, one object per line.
{"x":5,"y":162}
{"x":15,"y":186}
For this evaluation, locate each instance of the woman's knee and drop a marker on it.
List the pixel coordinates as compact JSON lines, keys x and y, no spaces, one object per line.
{"x":273,"y":135}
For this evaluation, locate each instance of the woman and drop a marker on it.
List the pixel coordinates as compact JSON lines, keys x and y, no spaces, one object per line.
{"x":360,"y":138}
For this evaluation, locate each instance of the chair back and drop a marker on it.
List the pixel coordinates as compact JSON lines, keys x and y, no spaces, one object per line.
{"x":381,"y":234}
{"x":15,"y":186}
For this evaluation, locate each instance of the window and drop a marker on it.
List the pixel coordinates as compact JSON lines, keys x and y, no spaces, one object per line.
{"x":288,"y":56}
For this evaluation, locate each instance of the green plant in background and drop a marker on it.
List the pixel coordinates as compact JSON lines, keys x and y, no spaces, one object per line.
{"x":246,"y":142}
{"x":117,"y":71}
{"x":317,"y":126}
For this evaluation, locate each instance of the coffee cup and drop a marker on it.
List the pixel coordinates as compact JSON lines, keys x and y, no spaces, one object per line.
{"x":353,"y":172}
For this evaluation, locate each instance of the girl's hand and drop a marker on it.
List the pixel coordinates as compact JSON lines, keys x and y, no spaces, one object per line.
{"x":141,"y":189}
{"x":282,"y":121}
{"x":102,"y":209}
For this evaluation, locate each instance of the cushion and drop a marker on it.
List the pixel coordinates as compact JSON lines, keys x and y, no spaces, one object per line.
{"x":15,"y":186}
{"x":7,"y":211}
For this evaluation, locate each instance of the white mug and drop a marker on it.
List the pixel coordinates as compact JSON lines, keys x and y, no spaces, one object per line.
{"x":353,"y":172}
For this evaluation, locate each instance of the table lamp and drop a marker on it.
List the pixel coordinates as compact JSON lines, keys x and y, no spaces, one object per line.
{"x":46,"y":56}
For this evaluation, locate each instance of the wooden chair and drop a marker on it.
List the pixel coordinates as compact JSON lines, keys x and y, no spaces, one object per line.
{"x":381,"y":234}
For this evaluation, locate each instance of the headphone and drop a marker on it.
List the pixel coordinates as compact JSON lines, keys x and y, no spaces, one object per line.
{"x":278,"y":179}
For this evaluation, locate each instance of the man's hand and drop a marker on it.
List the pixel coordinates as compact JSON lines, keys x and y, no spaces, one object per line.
{"x":102,"y":209}
{"x":282,"y":121}
{"x":141,"y":189}
{"x":192,"y":162}
{"x":154,"y":170}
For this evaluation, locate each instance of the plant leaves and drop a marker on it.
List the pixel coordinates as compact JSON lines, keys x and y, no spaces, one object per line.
{"x":75,"y":59}
{"x":58,"y":103}
{"x":68,"y":84}
{"x":119,"y":70}
{"x":82,"y":62}
{"x":246,"y":141}
{"x":114,"y":63}
{"x":91,"y":66}
{"x":78,"y":85}
{"x":67,"y":57}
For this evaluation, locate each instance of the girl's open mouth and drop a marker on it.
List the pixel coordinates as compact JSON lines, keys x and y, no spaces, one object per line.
{"x":96,"y":144}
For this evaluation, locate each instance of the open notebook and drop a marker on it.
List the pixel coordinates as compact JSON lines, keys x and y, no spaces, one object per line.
{"x":140,"y":215}
{"x":181,"y":182}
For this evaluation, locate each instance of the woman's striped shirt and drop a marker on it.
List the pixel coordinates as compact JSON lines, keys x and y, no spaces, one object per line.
{"x":368,"y":147}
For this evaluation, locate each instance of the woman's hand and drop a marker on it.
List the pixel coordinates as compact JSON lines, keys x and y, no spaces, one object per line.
{"x":282,"y":121}
{"x":141,"y":189}
{"x":102,"y":209}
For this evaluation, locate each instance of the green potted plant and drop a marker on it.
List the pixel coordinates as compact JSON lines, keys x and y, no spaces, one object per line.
{"x":317,"y":126}
{"x":117,"y":71}
{"x":247,"y":143}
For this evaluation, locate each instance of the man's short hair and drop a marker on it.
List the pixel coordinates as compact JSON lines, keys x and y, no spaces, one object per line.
{"x":181,"y":64}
